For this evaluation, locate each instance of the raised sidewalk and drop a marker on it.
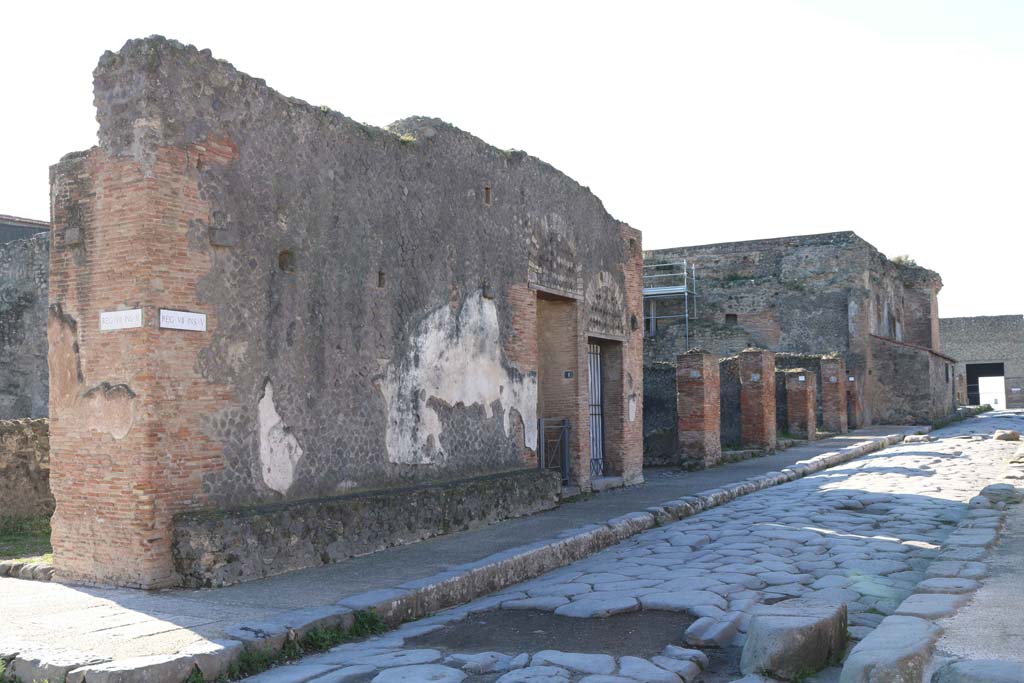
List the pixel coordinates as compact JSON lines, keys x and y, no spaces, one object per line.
{"x":54,"y":629}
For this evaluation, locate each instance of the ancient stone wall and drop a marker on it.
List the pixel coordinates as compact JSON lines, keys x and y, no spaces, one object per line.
{"x":370,"y":299}
{"x":25,"y":469}
{"x":216,"y":548}
{"x":24,"y":382}
{"x":729,"y":400}
{"x":661,"y":441}
{"x":989,"y":339}
{"x":910,"y":384}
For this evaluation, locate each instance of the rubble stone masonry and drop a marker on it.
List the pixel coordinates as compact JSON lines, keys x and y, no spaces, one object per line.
{"x":24,"y":469}
{"x":24,"y":265}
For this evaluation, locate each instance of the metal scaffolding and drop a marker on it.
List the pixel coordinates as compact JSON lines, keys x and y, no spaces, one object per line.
{"x":668,"y":282}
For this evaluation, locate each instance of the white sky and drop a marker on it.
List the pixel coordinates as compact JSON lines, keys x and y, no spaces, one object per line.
{"x":696,"y":122}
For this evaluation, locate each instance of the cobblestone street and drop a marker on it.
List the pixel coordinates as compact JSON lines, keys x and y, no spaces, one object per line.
{"x":866,"y":534}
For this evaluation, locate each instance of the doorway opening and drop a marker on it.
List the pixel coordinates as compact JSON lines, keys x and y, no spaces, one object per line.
{"x":557,"y":384}
{"x":986,"y":383}
{"x":605,"y":406}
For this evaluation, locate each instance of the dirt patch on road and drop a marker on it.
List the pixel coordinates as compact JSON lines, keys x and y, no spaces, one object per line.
{"x":641,"y":634}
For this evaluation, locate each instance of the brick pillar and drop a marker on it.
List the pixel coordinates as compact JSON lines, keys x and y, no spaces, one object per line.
{"x":802,"y":403}
{"x":128,"y":445}
{"x":833,"y":395}
{"x":757,"y":398}
{"x":699,"y":408}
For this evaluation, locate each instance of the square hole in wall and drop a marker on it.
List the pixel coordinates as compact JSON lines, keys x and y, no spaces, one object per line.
{"x":731,"y":319}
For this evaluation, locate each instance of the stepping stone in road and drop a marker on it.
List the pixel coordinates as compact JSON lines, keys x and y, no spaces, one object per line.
{"x":792,"y":637}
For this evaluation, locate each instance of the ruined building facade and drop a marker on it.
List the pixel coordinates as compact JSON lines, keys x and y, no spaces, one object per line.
{"x":817,"y":294}
{"x":263,"y":314}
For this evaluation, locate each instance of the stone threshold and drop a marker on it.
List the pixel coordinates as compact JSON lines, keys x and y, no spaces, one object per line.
{"x":419,"y":598}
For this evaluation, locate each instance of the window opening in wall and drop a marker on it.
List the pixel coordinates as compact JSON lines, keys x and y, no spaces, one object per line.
{"x":380,"y":279}
{"x":487,"y":195}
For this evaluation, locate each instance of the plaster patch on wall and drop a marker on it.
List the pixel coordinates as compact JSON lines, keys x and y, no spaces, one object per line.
{"x":455,"y":358}
{"x":279,"y":449}
{"x":111,"y":407}
{"x":632,"y":408}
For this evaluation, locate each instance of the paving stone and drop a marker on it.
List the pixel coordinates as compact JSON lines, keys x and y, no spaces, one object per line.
{"x":606,"y":679}
{"x":686,"y":653}
{"x":682,"y":600}
{"x":931,"y":605}
{"x":346,"y":674}
{"x":1003,"y":493}
{"x":536,"y":674}
{"x":420,"y":673}
{"x":947,"y":586}
{"x":784,"y":578}
{"x":576,"y":661}
{"x":547,"y":603}
{"x":687,"y":670}
{"x":792,"y":637}
{"x":643,"y":670}
{"x":588,"y":607}
{"x":873,"y":567}
{"x":898,"y":650}
{"x":480,"y":662}
{"x":954,"y":569}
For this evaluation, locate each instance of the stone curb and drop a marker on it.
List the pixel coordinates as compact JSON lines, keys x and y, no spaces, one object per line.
{"x":32,"y":571}
{"x":459,"y":585}
{"x":903,"y":643}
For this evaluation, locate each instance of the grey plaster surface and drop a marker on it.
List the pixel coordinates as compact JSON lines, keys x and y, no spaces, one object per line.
{"x":120,"y":623}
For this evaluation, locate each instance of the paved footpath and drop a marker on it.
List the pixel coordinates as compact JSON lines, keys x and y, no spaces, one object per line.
{"x":892,"y":533}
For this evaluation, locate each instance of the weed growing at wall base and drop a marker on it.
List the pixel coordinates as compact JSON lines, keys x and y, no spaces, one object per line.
{"x":253,"y":661}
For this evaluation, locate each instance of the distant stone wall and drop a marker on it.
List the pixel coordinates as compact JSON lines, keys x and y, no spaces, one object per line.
{"x":24,"y":379}
{"x":822,"y":293}
{"x":222,"y":548}
{"x":25,"y":469}
{"x":988,"y":339}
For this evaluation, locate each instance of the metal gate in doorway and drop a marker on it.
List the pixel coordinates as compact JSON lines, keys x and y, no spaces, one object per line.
{"x":596,"y":412}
